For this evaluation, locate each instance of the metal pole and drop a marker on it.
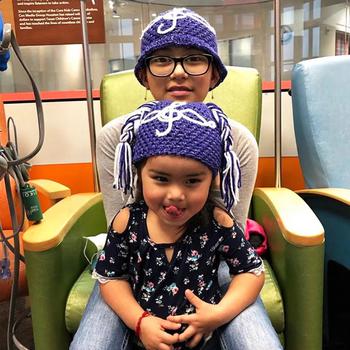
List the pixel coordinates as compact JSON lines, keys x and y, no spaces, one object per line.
{"x":278,"y":132}
{"x":88,"y":85}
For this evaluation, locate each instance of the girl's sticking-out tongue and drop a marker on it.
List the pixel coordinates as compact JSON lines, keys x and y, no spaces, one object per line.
{"x":172,"y":210}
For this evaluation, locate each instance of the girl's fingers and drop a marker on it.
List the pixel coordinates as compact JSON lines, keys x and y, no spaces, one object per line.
{"x":169,"y":338}
{"x":177,"y":318}
{"x":193,"y":299}
{"x":163,"y":346}
{"x":188,"y":333}
{"x":187,"y":319}
{"x":170,"y":324}
{"x":194,"y":341}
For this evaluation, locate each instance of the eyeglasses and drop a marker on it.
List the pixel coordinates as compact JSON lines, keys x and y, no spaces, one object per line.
{"x":163,"y":66}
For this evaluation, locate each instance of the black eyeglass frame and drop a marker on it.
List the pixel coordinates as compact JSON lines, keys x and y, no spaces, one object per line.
{"x":176,"y":61}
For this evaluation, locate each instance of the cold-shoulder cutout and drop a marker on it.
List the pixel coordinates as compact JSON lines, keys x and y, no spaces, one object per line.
{"x":222,"y":218}
{"x":121,"y":220}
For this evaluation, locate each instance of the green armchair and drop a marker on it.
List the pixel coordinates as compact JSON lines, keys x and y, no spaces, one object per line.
{"x":54,"y":249}
{"x":49,"y":192}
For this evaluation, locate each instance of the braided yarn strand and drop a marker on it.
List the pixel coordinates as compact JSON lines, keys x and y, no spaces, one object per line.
{"x":230,"y":174}
{"x":124,"y":177}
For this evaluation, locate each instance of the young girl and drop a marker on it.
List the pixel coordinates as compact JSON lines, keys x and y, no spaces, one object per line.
{"x":170,"y":47}
{"x":172,"y":240}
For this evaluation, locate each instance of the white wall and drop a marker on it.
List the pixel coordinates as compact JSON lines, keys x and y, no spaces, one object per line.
{"x":67,"y":137}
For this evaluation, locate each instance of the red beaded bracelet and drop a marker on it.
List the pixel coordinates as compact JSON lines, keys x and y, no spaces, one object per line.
{"x":138,"y":324}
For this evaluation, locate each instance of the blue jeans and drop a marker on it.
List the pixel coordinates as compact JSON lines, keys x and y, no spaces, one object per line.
{"x":101,"y":329}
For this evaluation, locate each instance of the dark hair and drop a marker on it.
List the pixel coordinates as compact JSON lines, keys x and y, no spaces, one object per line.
{"x":202,"y":218}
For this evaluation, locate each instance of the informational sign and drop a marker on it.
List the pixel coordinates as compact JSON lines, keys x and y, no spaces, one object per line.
{"x":48,"y":22}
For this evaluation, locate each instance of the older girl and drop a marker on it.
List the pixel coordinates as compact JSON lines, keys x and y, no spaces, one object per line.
{"x":178,"y":62}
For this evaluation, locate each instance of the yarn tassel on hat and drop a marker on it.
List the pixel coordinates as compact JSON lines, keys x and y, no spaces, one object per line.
{"x":124,"y":177}
{"x":123,"y":173}
{"x":230,"y":173}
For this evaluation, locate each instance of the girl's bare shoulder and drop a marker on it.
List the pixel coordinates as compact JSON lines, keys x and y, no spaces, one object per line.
{"x":222,"y":217}
{"x":121,"y":220}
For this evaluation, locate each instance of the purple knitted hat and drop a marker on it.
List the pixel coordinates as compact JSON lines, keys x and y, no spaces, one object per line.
{"x":195,"y":130}
{"x":179,"y":27}
{"x":179,"y":129}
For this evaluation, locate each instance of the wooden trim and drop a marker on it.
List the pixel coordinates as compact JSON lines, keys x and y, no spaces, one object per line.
{"x":297,"y":222}
{"x":57,"y":221}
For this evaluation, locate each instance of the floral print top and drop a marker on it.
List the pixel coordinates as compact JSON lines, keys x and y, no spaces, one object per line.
{"x":159,"y":284}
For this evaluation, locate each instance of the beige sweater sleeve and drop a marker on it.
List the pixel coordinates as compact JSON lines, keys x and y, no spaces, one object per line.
{"x":244,"y":144}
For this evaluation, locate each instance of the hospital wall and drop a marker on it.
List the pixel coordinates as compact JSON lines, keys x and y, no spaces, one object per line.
{"x":66,"y":153}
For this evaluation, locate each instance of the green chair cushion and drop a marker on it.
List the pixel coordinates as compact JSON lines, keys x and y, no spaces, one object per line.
{"x":81,"y":290}
{"x":272,"y":299}
{"x":77,"y":299}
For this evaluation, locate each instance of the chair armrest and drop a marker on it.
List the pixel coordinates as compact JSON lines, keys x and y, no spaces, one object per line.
{"x":58,"y":221}
{"x":297,"y":222}
{"x":296,"y":253}
{"x":54,"y":256}
{"x":53,"y":190}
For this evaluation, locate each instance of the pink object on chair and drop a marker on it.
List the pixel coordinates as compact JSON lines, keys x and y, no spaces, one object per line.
{"x":256,"y":235}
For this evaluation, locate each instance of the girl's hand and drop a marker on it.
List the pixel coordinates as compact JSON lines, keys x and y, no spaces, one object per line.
{"x":200,"y":324}
{"x":154,"y":335}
